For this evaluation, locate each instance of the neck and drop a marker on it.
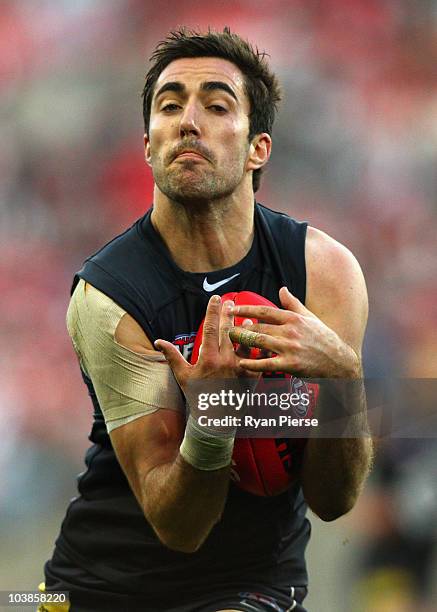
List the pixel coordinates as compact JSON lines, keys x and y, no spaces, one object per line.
{"x":209,"y":236}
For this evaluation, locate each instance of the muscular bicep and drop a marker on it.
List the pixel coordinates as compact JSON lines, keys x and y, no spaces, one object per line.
{"x":336,"y":289}
{"x":150,"y":440}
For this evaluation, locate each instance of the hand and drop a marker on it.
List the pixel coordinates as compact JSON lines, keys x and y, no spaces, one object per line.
{"x":218,"y":363}
{"x":302,"y":344}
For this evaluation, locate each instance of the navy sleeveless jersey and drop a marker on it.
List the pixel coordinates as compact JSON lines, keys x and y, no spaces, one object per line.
{"x":258,"y":540}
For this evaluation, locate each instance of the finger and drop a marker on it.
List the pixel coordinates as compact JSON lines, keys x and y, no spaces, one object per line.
{"x":261,"y":365}
{"x":251,"y":339}
{"x":269,"y":314}
{"x":226,"y":322}
{"x":174,"y":358}
{"x":267,"y":328}
{"x":290,"y":302}
{"x":248,"y":374}
{"x":211,"y":325}
{"x":247,"y":323}
{"x":244,"y":351}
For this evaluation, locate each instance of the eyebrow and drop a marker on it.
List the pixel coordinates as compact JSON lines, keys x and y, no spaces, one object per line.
{"x":178,"y":87}
{"x":212,"y":85}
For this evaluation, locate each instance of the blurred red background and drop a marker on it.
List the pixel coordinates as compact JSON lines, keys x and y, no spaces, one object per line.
{"x":354,"y":153}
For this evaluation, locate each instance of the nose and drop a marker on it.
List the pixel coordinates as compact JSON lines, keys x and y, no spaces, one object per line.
{"x":190,"y":123}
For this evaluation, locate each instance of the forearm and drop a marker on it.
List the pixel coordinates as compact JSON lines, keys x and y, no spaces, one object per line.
{"x":335,"y":468}
{"x":334,"y":473}
{"x":185,"y":498}
{"x":183,"y":503}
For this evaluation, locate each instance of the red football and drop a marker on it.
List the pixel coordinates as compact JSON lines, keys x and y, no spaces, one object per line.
{"x":262,"y":466}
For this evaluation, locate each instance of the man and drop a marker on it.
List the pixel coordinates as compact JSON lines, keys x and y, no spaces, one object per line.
{"x":157,"y":524}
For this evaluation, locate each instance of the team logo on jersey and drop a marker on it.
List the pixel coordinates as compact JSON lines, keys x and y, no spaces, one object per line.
{"x":185,"y":343}
{"x":301,"y":388}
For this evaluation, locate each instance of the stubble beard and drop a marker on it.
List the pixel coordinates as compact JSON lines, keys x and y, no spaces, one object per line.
{"x":194,"y":188}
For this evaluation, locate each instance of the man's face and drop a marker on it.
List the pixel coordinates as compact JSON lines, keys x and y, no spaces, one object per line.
{"x":198,"y":133}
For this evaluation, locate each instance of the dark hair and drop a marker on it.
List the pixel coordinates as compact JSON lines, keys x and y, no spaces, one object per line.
{"x":261,"y":85}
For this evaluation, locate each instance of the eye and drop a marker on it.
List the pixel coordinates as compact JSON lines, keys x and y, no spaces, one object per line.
{"x":217,"y":108}
{"x":169,"y":108}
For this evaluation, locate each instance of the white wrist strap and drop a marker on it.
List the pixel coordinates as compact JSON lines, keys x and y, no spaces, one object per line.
{"x":205,"y":449}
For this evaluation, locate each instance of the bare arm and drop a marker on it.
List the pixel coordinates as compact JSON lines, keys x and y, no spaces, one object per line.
{"x":181,"y":503}
{"x":334,"y":469}
{"x":323,"y":340}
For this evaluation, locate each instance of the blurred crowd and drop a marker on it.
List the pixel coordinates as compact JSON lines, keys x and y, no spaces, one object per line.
{"x":355,"y":151}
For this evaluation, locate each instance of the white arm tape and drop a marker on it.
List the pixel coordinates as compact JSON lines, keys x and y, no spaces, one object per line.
{"x":128,"y":385}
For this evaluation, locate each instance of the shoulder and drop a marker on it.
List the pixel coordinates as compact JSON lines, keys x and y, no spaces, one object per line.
{"x":336,"y":289}
{"x":279,"y":220}
{"x":130,"y":271}
{"x":121,"y":248}
{"x":102,"y":313}
{"x":329,"y":260}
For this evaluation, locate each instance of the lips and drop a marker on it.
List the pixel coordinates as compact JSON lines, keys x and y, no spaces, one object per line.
{"x":190,"y":154}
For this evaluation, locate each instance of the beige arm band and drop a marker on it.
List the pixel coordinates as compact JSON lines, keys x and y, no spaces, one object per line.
{"x":206,"y":449}
{"x":128,"y":385}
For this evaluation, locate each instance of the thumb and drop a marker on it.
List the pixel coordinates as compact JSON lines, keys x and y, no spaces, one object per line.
{"x":175,"y":360}
{"x":290,"y":302}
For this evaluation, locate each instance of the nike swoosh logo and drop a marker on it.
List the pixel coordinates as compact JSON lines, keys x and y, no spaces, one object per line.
{"x":213,"y":286}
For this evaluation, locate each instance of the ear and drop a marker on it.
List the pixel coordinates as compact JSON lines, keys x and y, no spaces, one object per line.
{"x":147,"y":155}
{"x":259,"y":151}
